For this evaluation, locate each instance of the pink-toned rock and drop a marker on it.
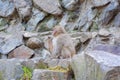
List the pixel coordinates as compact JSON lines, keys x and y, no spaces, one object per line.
{"x":34,"y":43}
{"x":21,"y":52}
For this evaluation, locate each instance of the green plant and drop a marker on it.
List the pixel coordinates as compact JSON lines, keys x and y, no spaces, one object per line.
{"x":27,"y":73}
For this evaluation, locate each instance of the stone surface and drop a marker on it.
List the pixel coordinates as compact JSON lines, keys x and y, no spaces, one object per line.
{"x":69,"y":4}
{"x":34,"y":43}
{"x":114,"y":49}
{"x":15,"y":28}
{"x":39,"y":74}
{"x":21,"y":52}
{"x":109,"y":13}
{"x":7,"y":8}
{"x":96,"y":65}
{"x":24,"y":8}
{"x":104,"y":32}
{"x":116,"y":20}
{"x":35,"y":19}
{"x":10,"y":69}
{"x":10,"y":42}
{"x":29,"y":34}
{"x":52,"y":7}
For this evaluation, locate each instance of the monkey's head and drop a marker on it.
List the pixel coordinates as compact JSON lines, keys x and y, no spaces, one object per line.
{"x":57,"y":30}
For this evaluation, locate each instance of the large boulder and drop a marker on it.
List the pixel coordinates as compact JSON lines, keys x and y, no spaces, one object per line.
{"x":10,"y":69}
{"x":7,"y":8}
{"x":21,"y":52}
{"x":35,"y":19}
{"x":24,"y":8}
{"x":52,"y":7}
{"x":96,"y":65}
{"x":9,"y":42}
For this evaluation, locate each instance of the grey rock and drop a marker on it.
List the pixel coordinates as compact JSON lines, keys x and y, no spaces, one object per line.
{"x":21,"y":52}
{"x":104,"y":32}
{"x":39,"y":74}
{"x":15,"y":28}
{"x":10,"y":69}
{"x":35,"y":19}
{"x":100,"y":3}
{"x":7,"y":8}
{"x":27,"y":34}
{"x":10,"y":42}
{"x":24,"y":8}
{"x":52,"y":7}
{"x":109,"y":13}
{"x":69,"y":4}
{"x":116,"y":20}
{"x":51,"y":23}
{"x":96,"y":65}
{"x":114,"y":49}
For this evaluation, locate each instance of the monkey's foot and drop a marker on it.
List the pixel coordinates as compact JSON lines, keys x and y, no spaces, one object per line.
{"x":59,"y":69}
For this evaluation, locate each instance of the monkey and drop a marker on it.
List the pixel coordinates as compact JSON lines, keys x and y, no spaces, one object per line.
{"x":62,"y":43}
{"x":48,"y":44}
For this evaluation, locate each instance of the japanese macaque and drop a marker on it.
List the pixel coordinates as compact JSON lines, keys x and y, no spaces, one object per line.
{"x":61,"y":46}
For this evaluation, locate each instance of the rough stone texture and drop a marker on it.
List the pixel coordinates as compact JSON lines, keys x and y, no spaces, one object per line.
{"x":24,"y":8}
{"x":104,"y":32}
{"x":10,"y":69}
{"x":21,"y":52}
{"x":35,"y":19}
{"x":109,"y":13}
{"x":79,"y":66}
{"x":114,"y":49}
{"x":102,"y":66}
{"x":69,"y":4}
{"x":116,"y":21}
{"x":10,"y":42}
{"x":39,"y":74}
{"x":96,"y":65}
{"x":29,"y":34}
{"x":52,"y":7}
{"x":15,"y":28}
{"x":34,"y":43}
{"x":7,"y":8}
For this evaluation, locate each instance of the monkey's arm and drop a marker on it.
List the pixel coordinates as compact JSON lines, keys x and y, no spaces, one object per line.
{"x":57,"y":49}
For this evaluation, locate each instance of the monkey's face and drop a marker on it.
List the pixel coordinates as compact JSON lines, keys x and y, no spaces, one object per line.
{"x":57,"y":30}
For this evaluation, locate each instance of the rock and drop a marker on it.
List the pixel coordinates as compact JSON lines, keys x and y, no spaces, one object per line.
{"x":65,"y":63}
{"x":52,"y":7}
{"x":96,"y":65}
{"x":116,"y":20}
{"x":114,"y":49}
{"x":102,"y":65}
{"x":100,"y":3}
{"x":51,"y":23}
{"x":10,"y":42}
{"x":79,"y":66}
{"x":24,"y":8}
{"x":7,"y":8}
{"x":29,"y":34}
{"x":109,"y":13}
{"x":64,"y":20}
{"x":34,"y":43}
{"x":69,"y":4}
{"x":83,"y":36}
{"x":104,"y":32}
{"x":15,"y":28}
{"x":21,"y":52}
{"x":39,"y":74}
{"x":35,"y":19}
{"x":10,"y":69}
